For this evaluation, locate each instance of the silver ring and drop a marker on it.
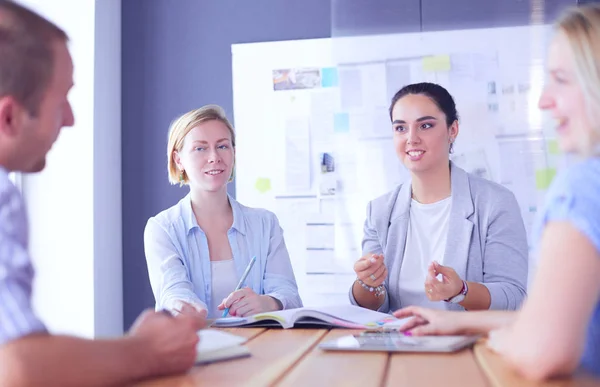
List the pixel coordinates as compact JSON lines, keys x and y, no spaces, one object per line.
{"x":372,"y":276}
{"x":430,"y":290}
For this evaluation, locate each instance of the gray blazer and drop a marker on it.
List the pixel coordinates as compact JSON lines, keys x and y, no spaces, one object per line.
{"x":487,"y":242}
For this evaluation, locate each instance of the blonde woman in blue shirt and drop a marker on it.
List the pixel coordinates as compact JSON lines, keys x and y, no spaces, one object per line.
{"x":198,"y":249}
{"x":558,"y":328}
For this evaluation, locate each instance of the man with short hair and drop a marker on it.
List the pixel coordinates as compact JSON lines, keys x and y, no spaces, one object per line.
{"x":36,"y":74}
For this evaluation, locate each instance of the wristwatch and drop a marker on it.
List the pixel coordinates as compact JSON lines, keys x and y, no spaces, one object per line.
{"x":460,"y":296}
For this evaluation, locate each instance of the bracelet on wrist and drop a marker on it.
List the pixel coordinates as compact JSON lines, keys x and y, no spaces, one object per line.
{"x":378,"y":291}
{"x":460,"y":296}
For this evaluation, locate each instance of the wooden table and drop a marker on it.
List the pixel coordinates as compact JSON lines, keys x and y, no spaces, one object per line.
{"x":290,"y":357}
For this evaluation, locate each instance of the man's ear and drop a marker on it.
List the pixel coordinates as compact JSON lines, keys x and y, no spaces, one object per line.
{"x":11,"y":116}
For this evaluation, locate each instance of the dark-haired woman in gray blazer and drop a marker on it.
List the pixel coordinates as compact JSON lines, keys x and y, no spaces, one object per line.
{"x":444,"y":239}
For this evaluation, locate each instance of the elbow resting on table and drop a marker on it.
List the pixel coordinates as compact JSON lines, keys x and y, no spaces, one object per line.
{"x":541,"y":363}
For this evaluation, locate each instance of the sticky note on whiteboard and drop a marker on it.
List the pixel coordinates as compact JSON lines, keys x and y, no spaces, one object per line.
{"x":329,"y":77}
{"x":263,"y":184}
{"x":553,"y":147}
{"x":543,"y":178}
{"x":341,"y":122}
{"x":436,"y":63}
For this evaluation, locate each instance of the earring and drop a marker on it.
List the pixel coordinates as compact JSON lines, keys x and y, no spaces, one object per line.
{"x":182,"y":177}
{"x":451,"y":147}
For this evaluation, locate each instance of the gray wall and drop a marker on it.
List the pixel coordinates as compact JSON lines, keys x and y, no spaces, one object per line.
{"x":360,"y":17}
{"x":177,"y":56}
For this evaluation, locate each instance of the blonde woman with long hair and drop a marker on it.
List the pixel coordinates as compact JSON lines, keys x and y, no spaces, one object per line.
{"x":558,"y":328}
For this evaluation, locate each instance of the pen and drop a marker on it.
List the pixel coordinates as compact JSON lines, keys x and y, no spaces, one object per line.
{"x":241,"y":283}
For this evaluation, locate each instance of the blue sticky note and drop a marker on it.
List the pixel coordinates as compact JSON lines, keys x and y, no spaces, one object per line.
{"x":329,"y":77}
{"x":341,"y":122}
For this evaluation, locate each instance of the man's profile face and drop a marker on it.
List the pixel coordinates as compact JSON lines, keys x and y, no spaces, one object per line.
{"x":54,"y":113}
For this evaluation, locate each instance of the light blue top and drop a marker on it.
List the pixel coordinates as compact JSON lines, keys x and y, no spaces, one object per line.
{"x":17,"y":318}
{"x":179,"y":264}
{"x":574,"y":196}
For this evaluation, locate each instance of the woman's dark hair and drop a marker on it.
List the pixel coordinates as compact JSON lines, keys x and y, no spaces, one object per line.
{"x":435,"y":92}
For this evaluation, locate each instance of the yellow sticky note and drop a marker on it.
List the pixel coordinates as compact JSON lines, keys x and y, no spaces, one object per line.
{"x":553,"y":148}
{"x":263,"y":184}
{"x":543,"y":178}
{"x":436,"y":63}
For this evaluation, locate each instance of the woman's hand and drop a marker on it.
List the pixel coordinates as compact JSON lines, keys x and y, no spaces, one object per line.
{"x":433,"y":322}
{"x":188,"y":308}
{"x":450,"y":285}
{"x":371,"y":270}
{"x":245,"y":302}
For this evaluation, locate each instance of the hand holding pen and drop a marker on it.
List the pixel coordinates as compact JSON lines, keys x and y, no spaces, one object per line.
{"x":244,"y":302}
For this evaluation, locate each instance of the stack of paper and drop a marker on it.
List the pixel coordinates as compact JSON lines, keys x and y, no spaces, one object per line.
{"x":217,"y":345}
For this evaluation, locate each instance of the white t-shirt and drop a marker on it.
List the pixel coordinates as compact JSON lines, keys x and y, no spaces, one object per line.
{"x":425,"y":242}
{"x":224,"y":280}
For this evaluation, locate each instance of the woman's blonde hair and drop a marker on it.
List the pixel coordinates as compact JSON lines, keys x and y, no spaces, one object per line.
{"x":581,"y":26}
{"x":182,"y":126}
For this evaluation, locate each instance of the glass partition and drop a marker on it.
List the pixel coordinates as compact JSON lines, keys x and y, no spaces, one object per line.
{"x":488,"y":55}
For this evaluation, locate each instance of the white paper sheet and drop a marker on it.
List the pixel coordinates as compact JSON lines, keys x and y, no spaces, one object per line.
{"x":397,"y":76}
{"x":351,"y":87}
{"x":297,"y":155}
{"x":374,"y":85}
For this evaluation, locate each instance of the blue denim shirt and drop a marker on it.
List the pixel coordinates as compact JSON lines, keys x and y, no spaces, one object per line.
{"x":575,"y":197}
{"x":179,"y":264}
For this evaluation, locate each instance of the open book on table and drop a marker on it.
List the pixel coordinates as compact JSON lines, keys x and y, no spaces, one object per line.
{"x":339,"y":316}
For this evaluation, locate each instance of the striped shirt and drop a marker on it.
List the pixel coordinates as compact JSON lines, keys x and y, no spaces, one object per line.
{"x":17,"y":318}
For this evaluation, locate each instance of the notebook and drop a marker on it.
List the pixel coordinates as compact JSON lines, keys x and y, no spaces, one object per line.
{"x":339,"y":316}
{"x":394,"y":341}
{"x":217,"y":345}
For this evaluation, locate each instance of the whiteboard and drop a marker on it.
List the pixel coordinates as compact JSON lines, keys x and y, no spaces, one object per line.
{"x":295,"y":100}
